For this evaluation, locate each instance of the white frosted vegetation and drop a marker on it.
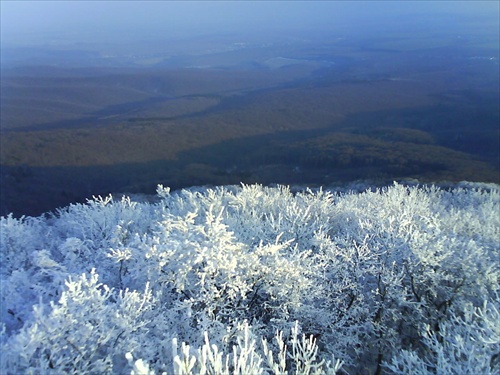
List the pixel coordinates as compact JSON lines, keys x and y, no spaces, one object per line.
{"x":256,"y":280}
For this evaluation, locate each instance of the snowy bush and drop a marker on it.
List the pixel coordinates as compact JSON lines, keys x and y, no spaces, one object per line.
{"x":256,"y":280}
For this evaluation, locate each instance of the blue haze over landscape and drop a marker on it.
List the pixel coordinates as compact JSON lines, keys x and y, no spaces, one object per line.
{"x":29,"y":22}
{"x":118,"y":96}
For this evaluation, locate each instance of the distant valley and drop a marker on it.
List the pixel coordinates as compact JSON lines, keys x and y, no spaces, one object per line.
{"x":316,"y":112}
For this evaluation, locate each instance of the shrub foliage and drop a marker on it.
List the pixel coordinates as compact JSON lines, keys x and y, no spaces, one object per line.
{"x":256,"y":280}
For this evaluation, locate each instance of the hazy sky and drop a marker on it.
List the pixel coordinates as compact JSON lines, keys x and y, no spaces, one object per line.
{"x":107,"y":20}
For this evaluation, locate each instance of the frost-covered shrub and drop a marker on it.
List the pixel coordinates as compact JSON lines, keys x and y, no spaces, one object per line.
{"x":256,"y":280}
{"x":467,"y":343}
{"x":82,"y":332}
{"x":19,"y":238}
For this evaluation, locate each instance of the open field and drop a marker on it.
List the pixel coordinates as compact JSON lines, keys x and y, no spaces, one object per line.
{"x":322,"y":113}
